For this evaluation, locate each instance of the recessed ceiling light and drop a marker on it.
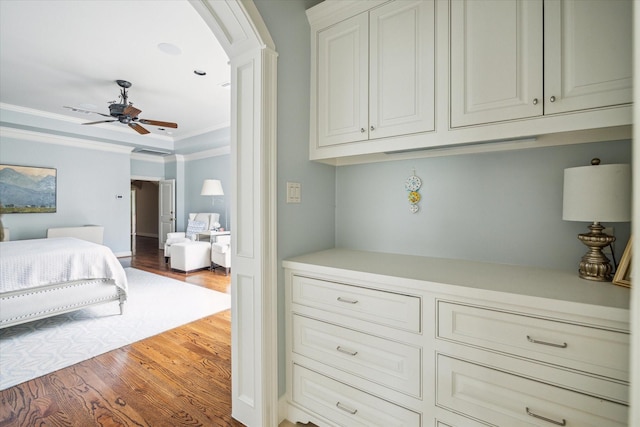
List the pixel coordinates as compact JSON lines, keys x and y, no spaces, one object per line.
{"x":169,"y":49}
{"x":200,"y":72}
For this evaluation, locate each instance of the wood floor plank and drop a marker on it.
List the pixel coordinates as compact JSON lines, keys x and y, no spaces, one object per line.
{"x":181,"y":377}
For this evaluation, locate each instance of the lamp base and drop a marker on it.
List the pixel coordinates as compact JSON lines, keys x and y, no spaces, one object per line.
{"x":594,"y":264}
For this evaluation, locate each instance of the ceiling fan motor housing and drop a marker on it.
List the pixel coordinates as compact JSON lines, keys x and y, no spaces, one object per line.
{"x":117,"y":111}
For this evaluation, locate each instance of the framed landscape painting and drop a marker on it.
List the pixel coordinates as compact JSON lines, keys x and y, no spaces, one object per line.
{"x":27,"y":189}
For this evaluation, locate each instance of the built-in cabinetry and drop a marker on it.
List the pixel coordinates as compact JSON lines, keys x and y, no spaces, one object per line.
{"x":375,"y":74}
{"x":498,"y":64}
{"x":392,"y":76}
{"x":379,"y":339}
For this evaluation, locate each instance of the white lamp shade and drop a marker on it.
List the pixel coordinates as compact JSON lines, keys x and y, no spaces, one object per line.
{"x":597,"y":193}
{"x":212,"y":187}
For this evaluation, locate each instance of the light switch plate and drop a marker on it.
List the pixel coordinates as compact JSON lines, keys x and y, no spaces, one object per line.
{"x":293,"y":192}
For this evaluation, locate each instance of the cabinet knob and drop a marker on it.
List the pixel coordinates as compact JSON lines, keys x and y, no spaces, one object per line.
{"x":372,"y":128}
{"x":552,"y":99}
{"x":362,"y":130}
{"x":535,"y":101}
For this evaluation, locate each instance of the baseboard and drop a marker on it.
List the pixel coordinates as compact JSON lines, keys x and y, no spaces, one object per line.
{"x":123,"y":254}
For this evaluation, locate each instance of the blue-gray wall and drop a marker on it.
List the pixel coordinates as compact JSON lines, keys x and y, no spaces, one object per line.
{"x":88,"y":182}
{"x":310,"y":225}
{"x":196,"y":171}
{"x":503,"y":207}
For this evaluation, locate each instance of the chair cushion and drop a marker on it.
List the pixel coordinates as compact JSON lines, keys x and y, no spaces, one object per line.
{"x":194,"y":227}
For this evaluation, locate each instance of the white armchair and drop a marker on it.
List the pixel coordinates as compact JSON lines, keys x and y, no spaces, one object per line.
{"x":210,"y":221}
{"x":221,"y":253}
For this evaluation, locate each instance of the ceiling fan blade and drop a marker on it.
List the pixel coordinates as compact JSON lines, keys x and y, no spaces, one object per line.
{"x":80,"y":110}
{"x":159,"y":123}
{"x":101,"y":121}
{"x":138,"y":128}
{"x":132,"y":111}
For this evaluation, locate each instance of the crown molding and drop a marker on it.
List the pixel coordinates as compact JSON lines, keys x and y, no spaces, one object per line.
{"x":47,"y":138}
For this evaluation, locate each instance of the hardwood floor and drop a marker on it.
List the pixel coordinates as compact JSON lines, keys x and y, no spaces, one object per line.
{"x":181,"y":377}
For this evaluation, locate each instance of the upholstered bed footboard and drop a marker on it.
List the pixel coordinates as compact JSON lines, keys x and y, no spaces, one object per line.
{"x":45,"y":301}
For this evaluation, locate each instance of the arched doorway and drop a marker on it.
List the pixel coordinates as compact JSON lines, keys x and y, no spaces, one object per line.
{"x":240,"y":30}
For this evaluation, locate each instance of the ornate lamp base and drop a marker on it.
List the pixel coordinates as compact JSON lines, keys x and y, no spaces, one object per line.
{"x":594,"y":264}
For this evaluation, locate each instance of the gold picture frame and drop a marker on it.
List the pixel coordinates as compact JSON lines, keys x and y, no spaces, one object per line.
{"x":623,"y":273}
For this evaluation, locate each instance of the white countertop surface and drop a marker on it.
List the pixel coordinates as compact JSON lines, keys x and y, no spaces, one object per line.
{"x":532,"y":281}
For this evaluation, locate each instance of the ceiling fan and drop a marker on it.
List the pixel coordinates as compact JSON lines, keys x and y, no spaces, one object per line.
{"x":125,"y":112}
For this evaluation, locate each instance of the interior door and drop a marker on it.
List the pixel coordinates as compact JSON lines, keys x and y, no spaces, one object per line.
{"x":167,"y":207}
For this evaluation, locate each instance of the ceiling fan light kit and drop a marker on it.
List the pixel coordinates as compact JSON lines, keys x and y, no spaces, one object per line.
{"x":124,"y":112}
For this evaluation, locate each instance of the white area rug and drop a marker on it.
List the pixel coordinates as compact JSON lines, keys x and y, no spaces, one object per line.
{"x":155,"y":304}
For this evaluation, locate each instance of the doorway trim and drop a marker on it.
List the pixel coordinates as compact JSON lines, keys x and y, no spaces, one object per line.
{"x":239,"y":28}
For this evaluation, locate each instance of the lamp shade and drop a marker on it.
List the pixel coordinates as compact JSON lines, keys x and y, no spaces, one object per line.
{"x":212,"y":187}
{"x":597,"y":193}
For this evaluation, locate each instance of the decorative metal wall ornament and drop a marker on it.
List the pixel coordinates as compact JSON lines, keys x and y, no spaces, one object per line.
{"x":412,"y":185}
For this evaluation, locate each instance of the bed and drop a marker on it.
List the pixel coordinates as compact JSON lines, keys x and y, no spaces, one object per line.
{"x":40,"y":278}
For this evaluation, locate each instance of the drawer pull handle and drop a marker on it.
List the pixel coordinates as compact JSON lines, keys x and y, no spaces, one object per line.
{"x":563,"y":345}
{"x":549,"y":420}
{"x":348,"y":300}
{"x":345,"y":351}
{"x":346,"y":409}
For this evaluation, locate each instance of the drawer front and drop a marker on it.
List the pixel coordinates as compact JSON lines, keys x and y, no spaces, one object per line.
{"x":347,"y":406}
{"x":503,"y":399}
{"x":579,"y":347}
{"x":392,"y":364}
{"x":383,"y":308}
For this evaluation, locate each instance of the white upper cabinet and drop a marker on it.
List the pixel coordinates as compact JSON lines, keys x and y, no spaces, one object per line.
{"x":496,"y":60}
{"x":400,"y":79}
{"x":497,"y":64}
{"x":401,"y":98}
{"x":374,"y":75}
{"x":585,"y":68}
{"x":343,"y":81}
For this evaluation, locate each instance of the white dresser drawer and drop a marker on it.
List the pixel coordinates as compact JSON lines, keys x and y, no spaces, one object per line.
{"x":503,"y":399}
{"x":578,"y":347}
{"x":383,"y":308}
{"x":347,"y":406}
{"x":389,"y":363}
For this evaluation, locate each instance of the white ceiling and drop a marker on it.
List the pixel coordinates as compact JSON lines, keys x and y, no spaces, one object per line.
{"x":69,"y":53}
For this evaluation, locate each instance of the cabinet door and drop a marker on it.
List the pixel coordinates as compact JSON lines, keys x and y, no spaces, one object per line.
{"x":496,"y":60}
{"x":587,"y":68}
{"x":402,"y":55}
{"x":342,"y":82}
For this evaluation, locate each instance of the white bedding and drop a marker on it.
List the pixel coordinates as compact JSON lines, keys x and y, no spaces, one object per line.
{"x":38,"y":262}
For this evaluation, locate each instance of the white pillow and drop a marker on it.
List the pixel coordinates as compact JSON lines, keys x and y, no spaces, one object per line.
{"x":194,"y":227}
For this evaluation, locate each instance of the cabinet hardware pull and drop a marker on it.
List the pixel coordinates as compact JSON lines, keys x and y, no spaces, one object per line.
{"x":347,"y":300}
{"x":549,"y":420}
{"x":563,"y":345}
{"x":346,"y":409}
{"x":372,"y":128}
{"x":552,"y":99}
{"x":535,"y":101}
{"x":345,"y":351}
{"x":362,"y":130}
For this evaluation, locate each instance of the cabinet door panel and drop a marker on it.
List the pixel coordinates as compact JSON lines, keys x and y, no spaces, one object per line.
{"x":343,"y":67}
{"x":402,"y":69}
{"x":496,"y":60}
{"x":586,"y":68}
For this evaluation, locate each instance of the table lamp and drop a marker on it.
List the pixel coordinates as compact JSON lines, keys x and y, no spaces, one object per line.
{"x":596,"y":194}
{"x":213,"y":187}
